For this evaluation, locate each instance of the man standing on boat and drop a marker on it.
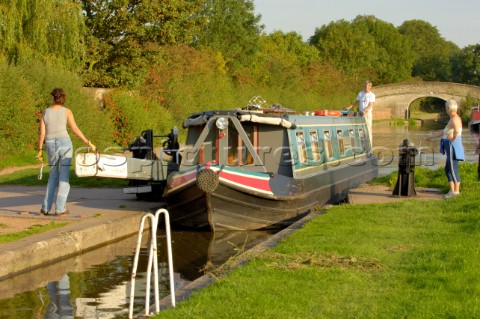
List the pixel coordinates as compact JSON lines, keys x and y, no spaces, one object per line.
{"x":366,"y":100}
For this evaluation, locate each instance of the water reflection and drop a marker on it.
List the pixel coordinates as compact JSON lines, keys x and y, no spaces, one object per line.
{"x":97,"y":283}
{"x":387,"y":139}
{"x":59,"y":306}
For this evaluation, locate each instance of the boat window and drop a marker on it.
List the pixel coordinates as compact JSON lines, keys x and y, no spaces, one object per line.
{"x":351,"y":133}
{"x":347,"y":141}
{"x":328,"y":144}
{"x":233,"y":145}
{"x":341,"y":144}
{"x":208,"y":149}
{"x":246,"y":157}
{"x":314,"y":145}
{"x":302,"y":152}
{"x":361,"y":132}
{"x":238,"y":154}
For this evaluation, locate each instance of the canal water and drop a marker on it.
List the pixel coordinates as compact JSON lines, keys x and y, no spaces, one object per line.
{"x":96,"y":284}
{"x":388,"y":137}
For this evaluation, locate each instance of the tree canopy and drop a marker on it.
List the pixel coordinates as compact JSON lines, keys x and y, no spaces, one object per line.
{"x":232,"y":28}
{"x":118,"y":43}
{"x":432,"y":52}
{"x":42,"y":29}
{"x":124,"y":35}
{"x":466,"y":65}
{"x":366,"y":47}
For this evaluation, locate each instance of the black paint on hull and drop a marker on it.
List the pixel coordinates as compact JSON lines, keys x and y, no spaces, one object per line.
{"x":228,"y":209}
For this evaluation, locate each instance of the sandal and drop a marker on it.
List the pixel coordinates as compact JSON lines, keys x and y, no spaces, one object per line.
{"x":44,"y":212}
{"x":65,"y":213}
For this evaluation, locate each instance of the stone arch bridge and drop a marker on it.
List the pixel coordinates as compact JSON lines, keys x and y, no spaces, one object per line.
{"x":395,"y":99}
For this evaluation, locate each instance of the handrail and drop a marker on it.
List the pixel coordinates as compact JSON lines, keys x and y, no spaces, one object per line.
{"x":169,"y":251}
{"x":152,"y":262}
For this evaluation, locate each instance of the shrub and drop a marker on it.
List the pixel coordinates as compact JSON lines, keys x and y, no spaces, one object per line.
{"x":25,"y":92}
{"x":18,"y":123}
{"x":130,"y":114}
{"x":186,"y":80}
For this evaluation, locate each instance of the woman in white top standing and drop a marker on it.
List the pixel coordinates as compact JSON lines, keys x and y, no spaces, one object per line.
{"x":53,"y":130}
{"x":451,"y":145}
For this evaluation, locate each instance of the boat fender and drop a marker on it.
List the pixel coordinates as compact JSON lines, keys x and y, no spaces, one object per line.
{"x":327,"y":113}
{"x":207,"y":180}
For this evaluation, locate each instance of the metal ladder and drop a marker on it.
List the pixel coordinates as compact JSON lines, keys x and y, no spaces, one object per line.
{"x":152,"y":262}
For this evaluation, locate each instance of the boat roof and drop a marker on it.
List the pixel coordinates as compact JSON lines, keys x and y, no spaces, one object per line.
{"x":273,"y":115}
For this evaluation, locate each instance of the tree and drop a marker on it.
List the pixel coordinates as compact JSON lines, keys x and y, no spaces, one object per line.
{"x":281,"y":59}
{"x":124,"y":36}
{"x":42,"y":29}
{"x":432,"y":52}
{"x":365,"y":48}
{"x":233,"y":29}
{"x":466,"y":65}
{"x":433,"y":68}
{"x":343,"y":46}
{"x":394,"y":54}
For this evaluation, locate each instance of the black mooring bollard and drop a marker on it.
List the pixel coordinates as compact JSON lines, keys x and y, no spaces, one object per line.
{"x":406,"y":170}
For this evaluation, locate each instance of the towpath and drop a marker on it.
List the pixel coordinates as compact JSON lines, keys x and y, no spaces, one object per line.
{"x":373,"y":194}
{"x":97,"y":216}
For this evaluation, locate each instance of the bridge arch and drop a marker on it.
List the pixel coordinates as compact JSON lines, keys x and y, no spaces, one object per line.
{"x":393,"y":100}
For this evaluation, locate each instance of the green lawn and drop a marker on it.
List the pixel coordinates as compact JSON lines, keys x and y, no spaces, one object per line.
{"x":411,"y":259}
{"x":29,"y":177}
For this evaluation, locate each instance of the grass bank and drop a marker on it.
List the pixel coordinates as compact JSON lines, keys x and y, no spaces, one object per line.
{"x":29,"y":177}
{"x":410,"y":259}
{"x":33,"y":230}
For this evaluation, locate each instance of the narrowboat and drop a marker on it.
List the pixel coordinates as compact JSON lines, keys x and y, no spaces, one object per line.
{"x":474,"y":125}
{"x":264,"y":168}
{"x":247,"y":169}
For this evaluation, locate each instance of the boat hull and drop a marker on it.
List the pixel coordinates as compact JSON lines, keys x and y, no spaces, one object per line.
{"x":239,"y":207}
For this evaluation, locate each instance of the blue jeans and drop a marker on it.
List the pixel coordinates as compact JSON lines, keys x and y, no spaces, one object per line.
{"x":59,"y":307}
{"x":59,"y":154}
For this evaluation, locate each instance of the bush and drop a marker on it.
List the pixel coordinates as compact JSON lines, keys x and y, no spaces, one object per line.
{"x":465,"y":109}
{"x":18,"y":123}
{"x":25,"y":92}
{"x":186,"y":80}
{"x":131,"y":113}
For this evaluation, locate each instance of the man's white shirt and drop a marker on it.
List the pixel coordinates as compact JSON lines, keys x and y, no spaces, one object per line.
{"x":364,"y":99}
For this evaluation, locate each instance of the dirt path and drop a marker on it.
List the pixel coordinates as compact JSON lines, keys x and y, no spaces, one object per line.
{"x":10,"y":225}
{"x":10,"y":170}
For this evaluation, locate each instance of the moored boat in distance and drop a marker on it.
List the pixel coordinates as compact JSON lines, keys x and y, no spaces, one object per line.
{"x":474,"y":125}
{"x":261,"y":168}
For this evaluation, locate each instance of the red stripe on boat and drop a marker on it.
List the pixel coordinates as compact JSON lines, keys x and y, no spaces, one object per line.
{"x":252,"y":182}
{"x":182,"y":179}
{"x":476,"y":115}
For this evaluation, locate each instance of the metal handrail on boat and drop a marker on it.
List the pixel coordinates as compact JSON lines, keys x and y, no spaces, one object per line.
{"x":152,"y":262}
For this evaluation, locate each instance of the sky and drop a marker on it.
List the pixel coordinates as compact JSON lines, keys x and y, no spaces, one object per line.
{"x":456,"y":20}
